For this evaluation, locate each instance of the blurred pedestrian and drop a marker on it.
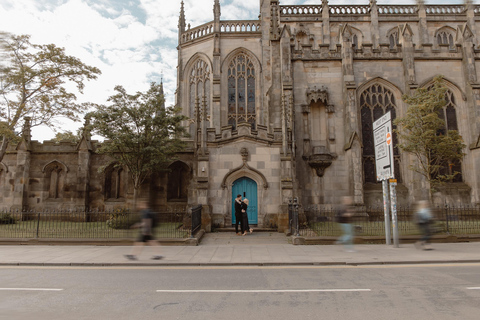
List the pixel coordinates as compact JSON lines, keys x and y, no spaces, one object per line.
{"x":245,"y":225}
{"x":423,"y":218}
{"x":238,"y":213}
{"x":146,"y":226}
{"x":344,"y":218}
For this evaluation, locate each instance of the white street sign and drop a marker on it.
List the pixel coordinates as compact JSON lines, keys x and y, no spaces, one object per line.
{"x":383,"y":140}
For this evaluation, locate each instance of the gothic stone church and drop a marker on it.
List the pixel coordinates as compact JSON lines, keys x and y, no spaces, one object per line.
{"x":283,"y":107}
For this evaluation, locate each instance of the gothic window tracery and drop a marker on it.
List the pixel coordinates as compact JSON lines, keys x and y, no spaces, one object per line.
{"x":449,"y":116}
{"x":445,"y":37}
{"x":375,"y":101}
{"x":199,"y":92}
{"x":241,"y":91}
{"x":393,"y":38}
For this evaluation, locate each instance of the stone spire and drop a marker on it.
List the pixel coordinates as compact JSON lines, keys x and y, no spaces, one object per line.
{"x":181,"y":21}
{"x":162,"y":107}
{"x":216,"y":10}
{"x":27,"y":130}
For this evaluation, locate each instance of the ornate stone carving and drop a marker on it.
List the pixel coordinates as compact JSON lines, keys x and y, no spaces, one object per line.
{"x":318,"y":95}
{"x":244,"y":153}
{"x":320,"y":159}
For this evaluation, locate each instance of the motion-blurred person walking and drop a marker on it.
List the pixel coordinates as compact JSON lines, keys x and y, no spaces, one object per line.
{"x":423,"y":217}
{"x":344,"y":218}
{"x":146,"y":226}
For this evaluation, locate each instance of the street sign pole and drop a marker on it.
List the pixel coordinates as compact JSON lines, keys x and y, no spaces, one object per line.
{"x":384,"y":165}
{"x":386,"y":208}
{"x":393,"y":203}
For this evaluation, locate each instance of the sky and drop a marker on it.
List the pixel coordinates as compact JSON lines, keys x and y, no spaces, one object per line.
{"x":133,"y":42}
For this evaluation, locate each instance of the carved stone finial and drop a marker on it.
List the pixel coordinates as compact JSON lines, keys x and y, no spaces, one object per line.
{"x":373,"y":3}
{"x":420,"y":3}
{"x":216,"y":10}
{"x":27,"y":129}
{"x":181,"y":19}
{"x":324,"y":3}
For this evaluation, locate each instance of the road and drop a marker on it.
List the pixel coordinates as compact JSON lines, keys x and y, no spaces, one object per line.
{"x":443,"y":291}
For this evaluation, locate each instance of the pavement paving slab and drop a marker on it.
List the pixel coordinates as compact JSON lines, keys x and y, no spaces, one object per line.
{"x":224,"y":248}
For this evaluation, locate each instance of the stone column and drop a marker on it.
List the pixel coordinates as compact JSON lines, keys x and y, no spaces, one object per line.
{"x":408,"y":52}
{"x":325,"y":22}
{"x":83,"y":174}
{"x":22,"y":170}
{"x":465,"y":38}
{"x":374,"y":24}
{"x":353,"y":149}
{"x":422,"y":22}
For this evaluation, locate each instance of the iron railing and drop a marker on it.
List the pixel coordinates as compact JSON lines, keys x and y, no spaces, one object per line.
{"x":370,"y":221}
{"x":93,"y":224}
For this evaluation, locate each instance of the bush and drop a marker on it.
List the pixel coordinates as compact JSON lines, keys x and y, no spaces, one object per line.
{"x":7,"y":218}
{"x":122,"y":220}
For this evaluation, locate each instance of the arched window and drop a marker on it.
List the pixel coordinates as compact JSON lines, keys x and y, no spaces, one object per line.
{"x":55,"y":179}
{"x":241,"y":91}
{"x":199,"y":92}
{"x":445,"y":37}
{"x":178,"y":181}
{"x":375,"y":101}
{"x":114,"y":182}
{"x":449,"y":116}
{"x":393,"y":38}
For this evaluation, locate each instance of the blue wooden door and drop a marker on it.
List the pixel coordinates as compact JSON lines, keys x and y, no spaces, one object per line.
{"x":248,"y":189}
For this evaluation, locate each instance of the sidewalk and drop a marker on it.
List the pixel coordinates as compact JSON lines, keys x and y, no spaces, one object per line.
{"x":224,"y":249}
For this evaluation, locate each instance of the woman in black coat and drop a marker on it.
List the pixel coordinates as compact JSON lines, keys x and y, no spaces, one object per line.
{"x":245,"y":225}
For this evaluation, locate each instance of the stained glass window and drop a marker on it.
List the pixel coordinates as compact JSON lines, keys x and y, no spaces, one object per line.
{"x":241,"y":91}
{"x":199,"y":88}
{"x":375,"y":101}
{"x":449,"y":115}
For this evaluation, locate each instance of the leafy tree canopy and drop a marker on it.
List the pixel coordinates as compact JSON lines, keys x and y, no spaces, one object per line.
{"x":422,"y":132}
{"x":141,"y":134}
{"x":35,"y":82}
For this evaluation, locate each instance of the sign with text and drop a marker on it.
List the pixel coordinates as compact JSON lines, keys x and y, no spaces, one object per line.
{"x":382,"y":139}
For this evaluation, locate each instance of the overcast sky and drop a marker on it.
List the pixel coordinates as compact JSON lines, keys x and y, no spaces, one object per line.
{"x":133,"y":42}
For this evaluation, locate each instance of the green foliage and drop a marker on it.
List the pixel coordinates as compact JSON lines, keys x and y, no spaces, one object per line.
{"x":422,"y":133}
{"x":7,"y":218}
{"x":67,"y":136}
{"x":35,"y":82}
{"x":141,"y":134}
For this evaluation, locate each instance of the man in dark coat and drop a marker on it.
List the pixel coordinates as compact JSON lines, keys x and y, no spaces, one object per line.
{"x":238,"y":212}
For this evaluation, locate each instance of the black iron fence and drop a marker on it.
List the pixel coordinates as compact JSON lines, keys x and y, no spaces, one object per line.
{"x":95,"y":224}
{"x":370,"y":221}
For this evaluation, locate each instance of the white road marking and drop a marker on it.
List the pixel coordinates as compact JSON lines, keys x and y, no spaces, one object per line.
{"x":473,"y":288}
{"x":264,"y":291}
{"x":30,"y":289}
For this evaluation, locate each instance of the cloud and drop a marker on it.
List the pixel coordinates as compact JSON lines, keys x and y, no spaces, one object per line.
{"x":133,"y":42}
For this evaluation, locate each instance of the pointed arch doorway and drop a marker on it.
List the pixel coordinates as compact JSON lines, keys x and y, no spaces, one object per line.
{"x":248,"y":189}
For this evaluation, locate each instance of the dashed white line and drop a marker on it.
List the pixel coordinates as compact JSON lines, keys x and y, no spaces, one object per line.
{"x":30,"y":289}
{"x":473,"y":288}
{"x":264,"y":291}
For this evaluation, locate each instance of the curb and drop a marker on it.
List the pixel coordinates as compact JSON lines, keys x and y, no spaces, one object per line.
{"x":228,"y":264}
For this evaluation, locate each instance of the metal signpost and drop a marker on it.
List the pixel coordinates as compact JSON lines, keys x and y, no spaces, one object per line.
{"x":384,"y":162}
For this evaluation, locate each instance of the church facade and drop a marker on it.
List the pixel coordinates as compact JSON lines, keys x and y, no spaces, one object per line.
{"x":283,"y":107}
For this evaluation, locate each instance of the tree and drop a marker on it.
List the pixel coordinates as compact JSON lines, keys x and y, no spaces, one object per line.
{"x":35,"y":81}
{"x":423,"y":133}
{"x":68,"y":136}
{"x":141,"y":134}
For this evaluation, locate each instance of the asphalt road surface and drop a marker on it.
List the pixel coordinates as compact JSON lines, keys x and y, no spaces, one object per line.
{"x":443,"y":291}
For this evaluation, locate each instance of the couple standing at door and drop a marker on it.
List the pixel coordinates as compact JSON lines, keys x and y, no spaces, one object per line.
{"x":241,"y":216}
